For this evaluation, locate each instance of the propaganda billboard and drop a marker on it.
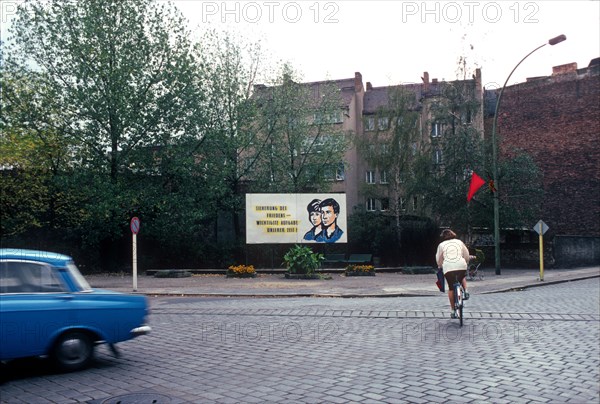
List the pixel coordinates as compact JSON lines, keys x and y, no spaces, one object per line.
{"x":295,"y":218}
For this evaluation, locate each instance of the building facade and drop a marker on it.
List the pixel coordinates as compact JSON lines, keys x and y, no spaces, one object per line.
{"x":556,"y":120}
{"x":367,"y":110}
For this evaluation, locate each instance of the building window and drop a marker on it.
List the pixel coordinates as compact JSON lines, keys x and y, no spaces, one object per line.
{"x":466,"y":117}
{"x":369,"y":123}
{"x":436,"y":129}
{"x":385,"y":204}
{"x":437,"y":156}
{"x":371,"y":205}
{"x":415,"y":203}
{"x":328,"y":117}
{"x":383,"y":123}
{"x":383,"y":177}
{"x":334,"y":172}
{"x":402,"y":204}
{"x":370,"y":177}
{"x":340,"y":172}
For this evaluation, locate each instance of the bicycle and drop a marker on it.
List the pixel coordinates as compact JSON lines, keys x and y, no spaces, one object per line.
{"x":459,"y":293}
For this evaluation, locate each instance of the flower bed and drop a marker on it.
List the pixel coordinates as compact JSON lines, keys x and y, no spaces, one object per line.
{"x":241,"y":271}
{"x":360,"y":270}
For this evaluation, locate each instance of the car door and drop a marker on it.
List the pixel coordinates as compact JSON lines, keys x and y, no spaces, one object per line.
{"x":34,"y":305}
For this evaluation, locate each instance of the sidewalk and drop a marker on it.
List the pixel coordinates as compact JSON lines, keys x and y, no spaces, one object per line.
{"x":384,"y":284}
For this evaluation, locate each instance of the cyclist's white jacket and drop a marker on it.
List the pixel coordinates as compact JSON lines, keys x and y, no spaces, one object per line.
{"x":452,"y":255}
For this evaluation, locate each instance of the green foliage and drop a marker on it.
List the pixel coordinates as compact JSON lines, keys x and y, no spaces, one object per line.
{"x":104,"y":128}
{"x":521,"y":190}
{"x":454,"y":152}
{"x":375,"y":233}
{"x":389,"y":150}
{"x":479,"y":256}
{"x":300,"y":140}
{"x":121,"y":72}
{"x":302,"y":260}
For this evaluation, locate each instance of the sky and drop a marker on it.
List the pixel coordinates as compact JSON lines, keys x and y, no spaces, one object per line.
{"x":394,"y":42}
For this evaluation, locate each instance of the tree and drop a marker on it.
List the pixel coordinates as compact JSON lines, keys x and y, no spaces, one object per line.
{"x":390,"y":150}
{"x":301,"y":142}
{"x":33,"y":155}
{"x":229,"y":141}
{"x":457,"y":148}
{"x":122,"y":72}
{"x":122,"y":80}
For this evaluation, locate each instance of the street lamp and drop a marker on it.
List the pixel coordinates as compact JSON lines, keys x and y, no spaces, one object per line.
{"x":552,"y":41}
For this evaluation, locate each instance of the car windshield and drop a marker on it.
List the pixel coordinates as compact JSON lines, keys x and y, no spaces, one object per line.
{"x":79,"y":280}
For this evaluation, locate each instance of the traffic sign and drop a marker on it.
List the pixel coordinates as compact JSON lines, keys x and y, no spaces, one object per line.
{"x":541,"y":227}
{"x":135,"y":225}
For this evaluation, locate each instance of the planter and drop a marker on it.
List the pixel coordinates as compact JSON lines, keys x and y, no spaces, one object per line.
{"x":360,"y":270}
{"x":241,"y":271}
{"x":172,"y":273}
{"x":234,"y":275}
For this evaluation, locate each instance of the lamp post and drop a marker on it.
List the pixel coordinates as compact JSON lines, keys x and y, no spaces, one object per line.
{"x":552,"y":41}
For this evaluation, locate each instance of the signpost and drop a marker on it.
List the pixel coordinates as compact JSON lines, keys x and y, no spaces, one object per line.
{"x":541,"y":228}
{"x":135,"y":228}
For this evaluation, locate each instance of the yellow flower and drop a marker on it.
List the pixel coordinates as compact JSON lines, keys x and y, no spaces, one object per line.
{"x":242,"y":269}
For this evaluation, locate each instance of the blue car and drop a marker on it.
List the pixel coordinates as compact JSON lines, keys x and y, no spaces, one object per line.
{"x":47,"y":308}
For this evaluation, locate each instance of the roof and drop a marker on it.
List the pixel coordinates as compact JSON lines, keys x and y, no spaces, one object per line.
{"x":345,"y":87}
{"x":34,"y":255}
{"x":378,"y":97}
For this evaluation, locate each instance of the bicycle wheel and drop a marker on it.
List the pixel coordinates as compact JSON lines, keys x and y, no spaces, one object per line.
{"x":460,"y":313}
{"x":458,"y":302}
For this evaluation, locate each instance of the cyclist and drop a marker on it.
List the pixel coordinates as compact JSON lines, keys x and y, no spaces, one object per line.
{"x":452,"y":256}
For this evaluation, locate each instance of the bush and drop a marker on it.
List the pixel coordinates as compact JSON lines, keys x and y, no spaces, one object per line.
{"x":302,"y":260}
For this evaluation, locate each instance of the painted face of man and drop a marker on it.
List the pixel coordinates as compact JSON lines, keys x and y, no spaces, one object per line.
{"x":315,"y":218}
{"x":328,"y":214}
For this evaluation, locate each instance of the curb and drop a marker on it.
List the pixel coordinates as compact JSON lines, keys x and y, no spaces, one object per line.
{"x":354,"y":295}
{"x":541,"y":283}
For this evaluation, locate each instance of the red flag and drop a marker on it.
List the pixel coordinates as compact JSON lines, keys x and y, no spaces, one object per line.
{"x":476,"y":183}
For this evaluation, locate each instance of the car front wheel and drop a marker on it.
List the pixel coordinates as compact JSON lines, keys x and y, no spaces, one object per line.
{"x":73,"y":351}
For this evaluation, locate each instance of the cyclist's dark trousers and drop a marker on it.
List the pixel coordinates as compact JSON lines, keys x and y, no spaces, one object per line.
{"x":454,"y":276}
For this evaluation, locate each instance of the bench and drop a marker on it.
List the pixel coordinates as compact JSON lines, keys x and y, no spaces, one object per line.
{"x":359,"y":259}
{"x":331,"y":259}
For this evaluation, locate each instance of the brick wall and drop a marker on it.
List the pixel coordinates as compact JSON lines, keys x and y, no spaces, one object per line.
{"x":557,"y":120}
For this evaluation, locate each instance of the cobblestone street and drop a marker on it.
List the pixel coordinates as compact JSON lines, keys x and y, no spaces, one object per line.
{"x":536,"y":345}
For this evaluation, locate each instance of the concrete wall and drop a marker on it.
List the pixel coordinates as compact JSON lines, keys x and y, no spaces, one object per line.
{"x":573,"y":251}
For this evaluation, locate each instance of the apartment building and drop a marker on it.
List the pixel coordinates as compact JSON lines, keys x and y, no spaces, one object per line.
{"x":363,"y":111}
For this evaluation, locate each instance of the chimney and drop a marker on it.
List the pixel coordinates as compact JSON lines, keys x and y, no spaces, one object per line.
{"x":358,"y":84}
{"x":425,"y":79}
{"x":369,"y":86}
{"x":564,"y":69}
